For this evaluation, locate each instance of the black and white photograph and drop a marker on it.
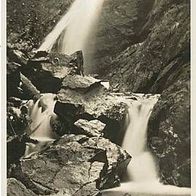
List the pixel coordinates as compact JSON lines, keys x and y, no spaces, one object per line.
{"x":98,"y":98}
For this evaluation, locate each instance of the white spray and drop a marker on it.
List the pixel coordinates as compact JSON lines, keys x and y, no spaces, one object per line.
{"x":75,"y":25}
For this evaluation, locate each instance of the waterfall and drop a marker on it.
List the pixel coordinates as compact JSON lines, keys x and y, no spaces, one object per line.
{"x":74,"y":27}
{"x":142,"y":171}
{"x":135,"y":140}
{"x":40,"y":128}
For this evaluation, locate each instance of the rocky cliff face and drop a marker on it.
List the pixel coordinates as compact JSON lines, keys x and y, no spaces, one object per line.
{"x":120,"y":25}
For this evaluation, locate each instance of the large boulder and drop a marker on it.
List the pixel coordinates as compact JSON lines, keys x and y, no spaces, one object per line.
{"x":47,"y":70}
{"x":41,"y":69}
{"x":73,"y":165}
{"x":94,"y":101}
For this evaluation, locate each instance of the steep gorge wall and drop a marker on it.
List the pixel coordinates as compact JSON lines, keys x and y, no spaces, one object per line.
{"x":120,"y":25}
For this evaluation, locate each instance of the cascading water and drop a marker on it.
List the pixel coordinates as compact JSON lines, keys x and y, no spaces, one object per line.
{"x":135,"y":140}
{"x":74,"y":27}
{"x":40,"y":128}
{"x":142,"y":171}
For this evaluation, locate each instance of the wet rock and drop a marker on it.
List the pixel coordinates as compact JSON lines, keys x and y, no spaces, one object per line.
{"x":60,"y":125}
{"x":16,"y":121}
{"x":93,"y":128}
{"x":67,"y":114}
{"x":94,"y":97}
{"x":14,"y":101}
{"x":29,"y":90}
{"x":74,"y":165}
{"x":18,"y":56}
{"x":16,"y":188}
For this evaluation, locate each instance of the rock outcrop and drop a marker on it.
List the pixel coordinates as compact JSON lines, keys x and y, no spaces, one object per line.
{"x":86,"y":98}
{"x":73,"y":165}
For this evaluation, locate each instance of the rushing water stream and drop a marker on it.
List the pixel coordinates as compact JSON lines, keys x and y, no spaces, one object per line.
{"x":40,"y":127}
{"x":142,"y":171}
{"x":135,"y":140}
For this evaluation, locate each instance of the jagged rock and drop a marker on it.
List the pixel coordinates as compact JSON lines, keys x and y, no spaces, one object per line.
{"x":94,"y":102}
{"x":74,"y":164}
{"x":93,"y":128}
{"x":89,"y":93}
{"x":16,"y":188}
{"x":60,"y":65}
{"x":47,"y":70}
{"x":79,"y":82}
